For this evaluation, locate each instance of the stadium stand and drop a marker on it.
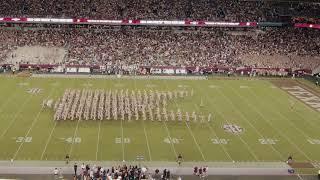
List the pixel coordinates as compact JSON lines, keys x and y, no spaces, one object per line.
{"x":129,"y":49}
{"x":218,"y":10}
{"x":125,"y":48}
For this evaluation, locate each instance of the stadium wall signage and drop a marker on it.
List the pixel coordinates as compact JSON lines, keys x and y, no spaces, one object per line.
{"x":148,"y":22}
{"x":126,"y":22}
{"x":305,"y":96}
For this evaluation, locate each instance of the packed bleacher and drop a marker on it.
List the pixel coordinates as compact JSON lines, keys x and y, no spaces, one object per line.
{"x":128,"y":48}
{"x":216,"y":10}
{"x":273,"y":48}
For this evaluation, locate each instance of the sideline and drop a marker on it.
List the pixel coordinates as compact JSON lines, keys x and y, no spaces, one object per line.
{"x":214,"y":168}
{"x":97,"y":76}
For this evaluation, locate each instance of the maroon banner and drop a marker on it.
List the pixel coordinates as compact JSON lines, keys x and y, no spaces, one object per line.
{"x":306,"y":25}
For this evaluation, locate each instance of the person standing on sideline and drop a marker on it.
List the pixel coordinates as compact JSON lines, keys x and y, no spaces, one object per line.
{"x":83,"y":168}
{"x":55,"y":173}
{"x":179,"y":159}
{"x":60,"y":173}
{"x":75,"y":167}
{"x":67,"y":158}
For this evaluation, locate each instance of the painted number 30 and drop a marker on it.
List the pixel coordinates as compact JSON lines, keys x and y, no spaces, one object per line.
{"x":23,"y":139}
{"x":119,"y":140}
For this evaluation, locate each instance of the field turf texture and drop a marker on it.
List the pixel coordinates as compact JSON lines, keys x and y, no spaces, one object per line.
{"x":275,"y":124}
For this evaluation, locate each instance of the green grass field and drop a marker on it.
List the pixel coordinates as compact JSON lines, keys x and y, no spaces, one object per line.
{"x":272,"y":130}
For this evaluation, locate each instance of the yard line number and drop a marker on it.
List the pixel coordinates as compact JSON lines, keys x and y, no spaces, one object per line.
{"x":23,"y":139}
{"x":118,"y":140}
{"x":314,"y":141}
{"x":268,"y":141}
{"x":72,"y":140}
{"x":220,"y":141}
{"x":34,"y":90}
{"x":169,"y":140}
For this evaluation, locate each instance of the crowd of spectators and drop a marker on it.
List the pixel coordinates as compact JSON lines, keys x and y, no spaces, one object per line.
{"x":200,"y":171}
{"x":273,"y":48}
{"x":216,"y":10}
{"x":120,"y":172}
{"x":123,"y":172}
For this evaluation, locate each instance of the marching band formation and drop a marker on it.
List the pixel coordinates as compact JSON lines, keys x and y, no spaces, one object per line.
{"x":122,"y":104}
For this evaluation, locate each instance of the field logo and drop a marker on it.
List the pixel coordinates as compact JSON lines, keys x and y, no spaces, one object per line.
{"x":233,"y":128}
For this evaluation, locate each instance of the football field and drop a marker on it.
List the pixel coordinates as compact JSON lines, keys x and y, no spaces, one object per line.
{"x":252,"y":120}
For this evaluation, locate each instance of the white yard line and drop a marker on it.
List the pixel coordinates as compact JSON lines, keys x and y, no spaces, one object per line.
{"x":189,"y":129}
{"x":16,"y":116}
{"x":309,"y":89}
{"x":216,"y":136}
{"x":31,"y":127}
{"x":273,"y":127}
{"x":145,"y":133}
{"x":48,"y":140}
{"x":122,"y":136}
{"x":99,"y":130}
{"x":9,"y":99}
{"x":98,"y":141}
{"x":169,"y":136}
{"x":73,"y":137}
{"x":246,"y":144}
{"x":243,"y":117}
{"x":299,"y":177}
{"x":144,"y":128}
{"x":196,"y":142}
{"x":284,"y":117}
{"x":76,"y":130}
{"x":122,"y":141}
{"x":312,"y":123}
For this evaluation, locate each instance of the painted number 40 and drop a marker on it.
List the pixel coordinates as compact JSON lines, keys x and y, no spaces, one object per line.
{"x":219,"y":141}
{"x":268,"y":141}
{"x":71,"y":140}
